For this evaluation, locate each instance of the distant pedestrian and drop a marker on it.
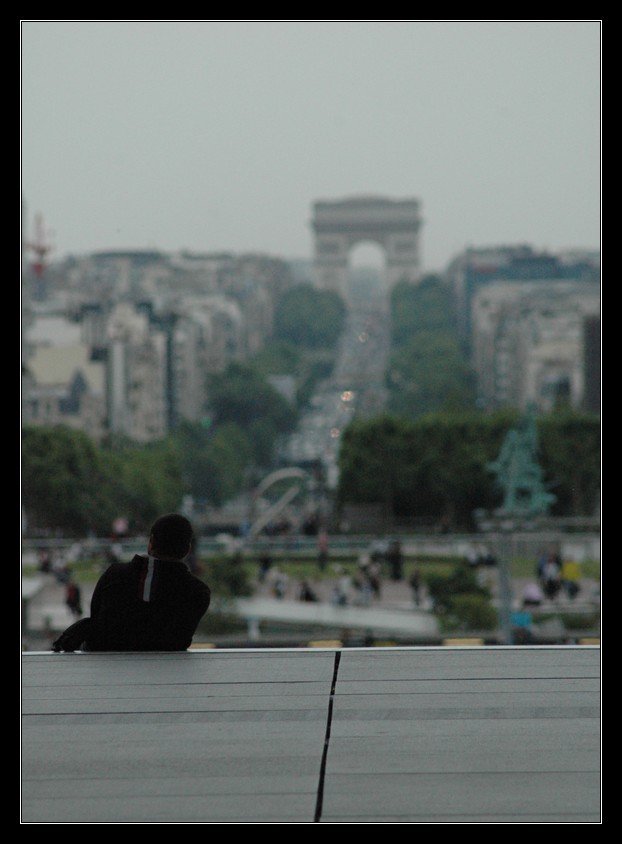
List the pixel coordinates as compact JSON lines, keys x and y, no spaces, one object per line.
{"x":306,"y":593}
{"x":114,"y":553}
{"x":571,"y":578}
{"x":540,"y":563}
{"x":415,"y":585}
{"x":73,"y":598}
{"x":279,"y":584}
{"x":364,"y":590}
{"x":551,"y":579}
{"x":374,"y":574}
{"x":45,"y":561}
{"x":322,"y":550}
{"x":341,"y":591}
{"x":473,"y":556}
{"x":532,"y":595}
{"x":265,"y":564}
{"x":378,"y":550}
{"x":489,"y":558}
{"x":395,"y":560}
{"x":60,"y":569}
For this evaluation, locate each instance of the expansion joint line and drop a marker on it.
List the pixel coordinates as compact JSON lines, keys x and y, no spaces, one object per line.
{"x":329,"y":720}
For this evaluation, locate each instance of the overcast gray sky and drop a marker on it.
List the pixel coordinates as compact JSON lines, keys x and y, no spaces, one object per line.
{"x":220,"y":135}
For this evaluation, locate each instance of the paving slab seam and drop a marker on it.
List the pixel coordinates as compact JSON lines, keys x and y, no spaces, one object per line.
{"x":320,"y":791}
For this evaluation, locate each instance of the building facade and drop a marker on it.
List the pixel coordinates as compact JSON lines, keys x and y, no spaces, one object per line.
{"x":530,"y":340}
{"x":141,"y":334}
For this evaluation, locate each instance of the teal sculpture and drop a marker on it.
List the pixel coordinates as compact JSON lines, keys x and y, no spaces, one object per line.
{"x":518,"y":472}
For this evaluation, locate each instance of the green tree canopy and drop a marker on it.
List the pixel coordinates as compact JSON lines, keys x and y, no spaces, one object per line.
{"x":425,"y":306}
{"x":72,"y":485}
{"x":428,"y":373}
{"x":241,"y":396}
{"x":311,"y":318}
{"x":66,"y":482}
{"x":430,"y":469}
{"x":151,"y":482}
{"x":570,"y":453}
{"x":427,"y":370}
{"x":278,"y":358}
{"x":437,"y":467}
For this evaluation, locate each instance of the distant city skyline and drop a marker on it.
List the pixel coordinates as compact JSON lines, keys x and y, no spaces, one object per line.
{"x":221,"y":135}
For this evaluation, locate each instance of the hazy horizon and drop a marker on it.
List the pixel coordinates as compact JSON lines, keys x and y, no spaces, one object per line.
{"x":221,"y":135}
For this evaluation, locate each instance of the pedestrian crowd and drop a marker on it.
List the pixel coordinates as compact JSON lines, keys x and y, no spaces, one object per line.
{"x":554,"y":578}
{"x":341,"y":585}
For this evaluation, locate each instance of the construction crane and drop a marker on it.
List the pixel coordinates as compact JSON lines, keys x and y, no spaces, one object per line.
{"x":39,"y":246}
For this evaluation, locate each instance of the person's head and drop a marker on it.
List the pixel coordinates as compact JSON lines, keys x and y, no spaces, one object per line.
{"x":170,"y":537}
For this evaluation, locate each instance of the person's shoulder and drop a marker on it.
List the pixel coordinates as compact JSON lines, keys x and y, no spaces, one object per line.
{"x":199,"y":582}
{"x":179,"y":571}
{"x":137,"y":560}
{"x":199,"y":586}
{"x":118,"y":570}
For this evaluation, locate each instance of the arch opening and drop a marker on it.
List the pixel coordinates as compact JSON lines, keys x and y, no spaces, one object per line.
{"x":367,"y":262}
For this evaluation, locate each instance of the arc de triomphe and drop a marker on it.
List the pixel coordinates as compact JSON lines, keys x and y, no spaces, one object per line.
{"x":340,"y":225}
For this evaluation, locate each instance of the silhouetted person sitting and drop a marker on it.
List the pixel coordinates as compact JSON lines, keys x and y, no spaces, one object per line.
{"x":153,"y":603}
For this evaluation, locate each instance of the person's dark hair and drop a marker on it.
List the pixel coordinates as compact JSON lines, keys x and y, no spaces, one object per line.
{"x":171,"y":536}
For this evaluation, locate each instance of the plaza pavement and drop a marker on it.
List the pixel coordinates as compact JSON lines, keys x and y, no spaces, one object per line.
{"x":426,"y":735}
{"x":432,"y":734}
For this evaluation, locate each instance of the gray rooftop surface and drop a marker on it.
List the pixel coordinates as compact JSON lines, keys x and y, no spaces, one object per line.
{"x":452,"y":735}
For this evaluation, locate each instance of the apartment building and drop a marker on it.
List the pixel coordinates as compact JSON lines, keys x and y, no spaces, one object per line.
{"x":529,"y":342}
{"x":530,"y":323}
{"x":145,"y":333}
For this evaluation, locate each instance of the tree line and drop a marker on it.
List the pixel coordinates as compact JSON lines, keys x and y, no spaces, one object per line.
{"x":436,"y":468}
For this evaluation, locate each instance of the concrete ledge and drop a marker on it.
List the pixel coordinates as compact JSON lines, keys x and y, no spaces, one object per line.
{"x":313,"y":735}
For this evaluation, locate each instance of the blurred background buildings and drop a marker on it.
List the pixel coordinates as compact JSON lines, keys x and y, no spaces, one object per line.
{"x":121,"y":342}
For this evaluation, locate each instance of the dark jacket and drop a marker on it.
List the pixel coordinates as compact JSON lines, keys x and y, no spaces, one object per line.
{"x":145,"y":605}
